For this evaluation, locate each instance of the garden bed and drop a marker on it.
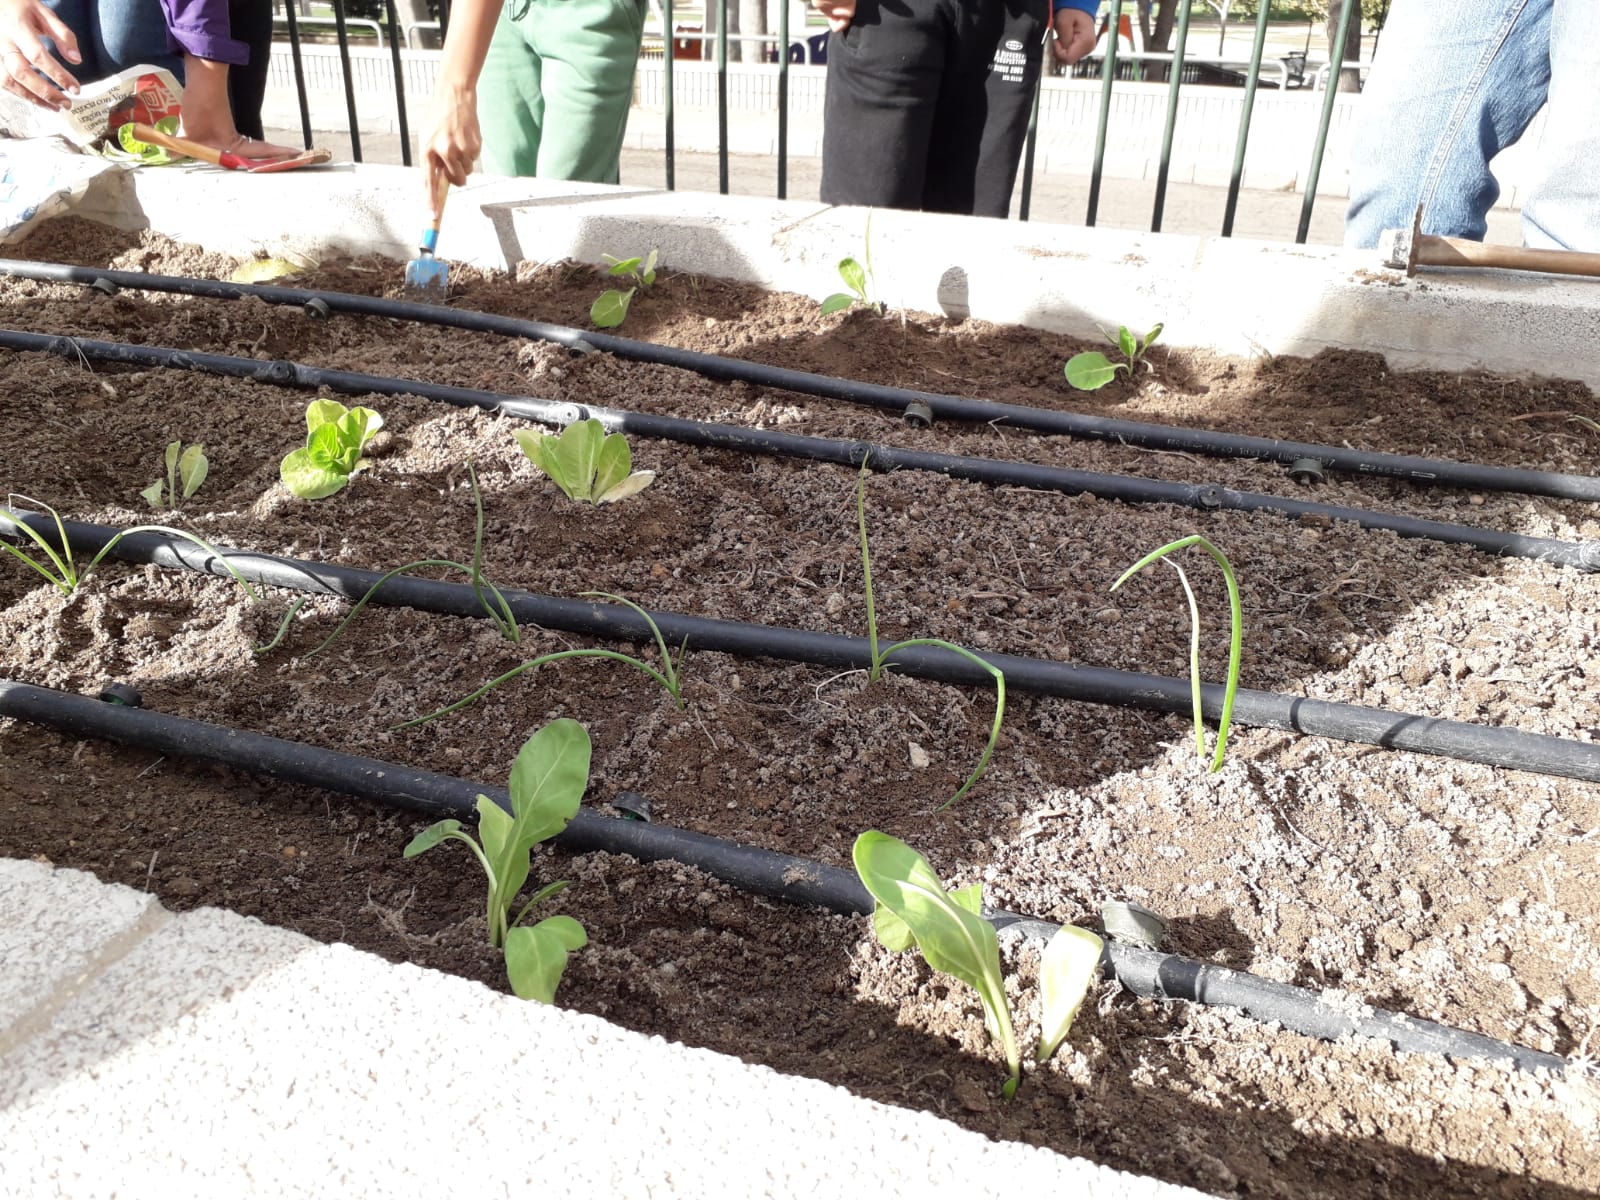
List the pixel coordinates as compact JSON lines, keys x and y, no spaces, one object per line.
{"x":1457,"y":892}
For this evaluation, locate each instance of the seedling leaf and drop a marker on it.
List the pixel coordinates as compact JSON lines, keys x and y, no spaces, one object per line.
{"x":536,"y":956}
{"x":1066,"y":970}
{"x":1091,"y":370}
{"x":192,"y":469}
{"x":1127,"y":343}
{"x":837,"y":301}
{"x":610,"y":309}
{"x":431,"y":837}
{"x":854,"y":277}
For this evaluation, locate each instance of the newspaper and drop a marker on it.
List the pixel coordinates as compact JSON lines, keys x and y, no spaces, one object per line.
{"x":46,"y":165}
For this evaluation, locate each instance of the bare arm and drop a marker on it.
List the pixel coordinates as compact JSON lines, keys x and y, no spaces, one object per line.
{"x":23,"y":55}
{"x":454,"y":139}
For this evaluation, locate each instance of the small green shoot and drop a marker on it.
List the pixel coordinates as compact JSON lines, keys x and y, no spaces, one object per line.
{"x":186,"y":471}
{"x":130,"y":149}
{"x":1235,"y":636}
{"x":880,"y":658}
{"x":494,"y":603}
{"x":547,"y":785}
{"x":857,"y":280}
{"x":669,"y":676}
{"x":610,"y":308}
{"x":913,"y":909}
{"x":335,"y":437}
{"x":59,"y":566}
{"x":585,"y":462}
{"x":1067,"y":968}
{"x":1091,"y":370}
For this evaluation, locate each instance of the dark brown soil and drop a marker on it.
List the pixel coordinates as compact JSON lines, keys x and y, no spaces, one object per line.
{"x":1456,"y":892}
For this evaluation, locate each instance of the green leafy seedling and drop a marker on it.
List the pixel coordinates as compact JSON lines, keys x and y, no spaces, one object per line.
{"x":57,"y":563}
{"x":186,"y":471}
{"x":610,"y":308}
{"x":669,"y":676}
{"x":913,"y":909}
{"x":585,"y":462}
{"x":131,"y":150}
{"x":857,"y":280}
{"x":1091,"y":370}
{"x":547,"y":785}
{"x":1235,"y":636}
{"x":489,"y":597}
{"x":335,"y":438}
{"x":880,"y":658}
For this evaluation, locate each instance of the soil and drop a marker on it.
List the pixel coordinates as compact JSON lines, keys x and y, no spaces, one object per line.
{"x":1456,"y":892}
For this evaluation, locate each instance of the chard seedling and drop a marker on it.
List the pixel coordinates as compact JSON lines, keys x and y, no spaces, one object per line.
{"x":547,"y":785}
{"x":493,"y":603}
{"x":610,"y":308}
{"x":59,"y":566}
{"x":335,"y":437}
{"x":880,"y":658}
{"x":186,"y":471}
{"x":668,"y":676}
{"x":130,"y":149}
{"x":1235,"y":636}
{"x":913,"y":909}
{"x":1091,"y":370}
{"x":857,"y":280}
{"x":585,"y":462}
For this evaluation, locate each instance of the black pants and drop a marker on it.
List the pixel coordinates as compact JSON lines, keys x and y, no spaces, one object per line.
{"x":251,"y":22}
{"x":928,"y":101}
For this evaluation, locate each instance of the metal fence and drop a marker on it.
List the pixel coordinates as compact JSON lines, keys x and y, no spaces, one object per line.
{"x":401,"y":69}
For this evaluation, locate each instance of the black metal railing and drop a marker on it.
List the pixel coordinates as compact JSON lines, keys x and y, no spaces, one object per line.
{"x":1177,"y":69}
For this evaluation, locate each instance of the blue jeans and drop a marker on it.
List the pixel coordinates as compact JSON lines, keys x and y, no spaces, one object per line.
{"x":114,"y":35}
{"x":1454,"y":83}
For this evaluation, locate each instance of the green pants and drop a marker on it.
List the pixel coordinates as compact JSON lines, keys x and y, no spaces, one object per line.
{"x":556,"y":86}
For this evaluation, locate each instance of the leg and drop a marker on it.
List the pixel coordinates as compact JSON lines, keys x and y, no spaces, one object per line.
{"x":130,"y":33}
{"x":1453,"y":85}
{"x":78,"y":16}
{"x":251,"y":22}
{"x":510,"y":103}
{"x":1563,"y":211}
{"x":884,"y":73}
{"x":981,"y":121}
{"x":588,"y":50}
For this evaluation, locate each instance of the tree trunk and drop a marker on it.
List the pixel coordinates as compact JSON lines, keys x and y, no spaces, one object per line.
{"x":752,"y":21}
{"x":411,"y":12}
{"x":715,"y":9}
{"x":1350,"y":78}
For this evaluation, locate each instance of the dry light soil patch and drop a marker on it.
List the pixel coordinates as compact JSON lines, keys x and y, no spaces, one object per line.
{"x":1457,"y":892}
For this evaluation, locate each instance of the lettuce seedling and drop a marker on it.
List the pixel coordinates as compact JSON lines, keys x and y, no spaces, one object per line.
{"x":547,"y":785}
{"x":61,"y":569}
{"x":668,"y":677}
{"x":880,"y":658}
{"x":857,"y":280}
{"x":586,"y":462}
{"x":610,"y":308}
{"x":186,"y":471}
{"x":335,"y":437}
{"x":913,"y":909}
{"x":1235,"y":636}
{"x":130,"y":149}
{"x":1091,"y":370}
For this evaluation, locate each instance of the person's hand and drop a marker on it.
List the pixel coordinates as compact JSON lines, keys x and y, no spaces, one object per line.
{"x":838,"y":12}
{"x":22,"y":24}
{"x":1074,"y":35}
{"x":453,"y":144}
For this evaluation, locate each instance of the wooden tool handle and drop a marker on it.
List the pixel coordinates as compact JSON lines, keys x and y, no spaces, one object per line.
{"x":441,"y":189}
{"x":1458,"y":252}
{"x":178,"y":145}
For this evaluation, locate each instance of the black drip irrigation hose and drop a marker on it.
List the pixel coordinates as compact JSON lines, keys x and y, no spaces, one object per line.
{"x":1510,"y":748}
{"x":956,"y":408}
{"x":1583,"y":556}
{"x":1148,"y":973}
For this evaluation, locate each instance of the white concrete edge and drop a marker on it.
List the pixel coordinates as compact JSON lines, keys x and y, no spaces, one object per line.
{"x":1235,"y":296}
{"x":216,"y":1056}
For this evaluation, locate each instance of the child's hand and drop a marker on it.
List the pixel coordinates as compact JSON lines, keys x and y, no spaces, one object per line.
{"x":1074,"y":35}
{"x":838,"y":12}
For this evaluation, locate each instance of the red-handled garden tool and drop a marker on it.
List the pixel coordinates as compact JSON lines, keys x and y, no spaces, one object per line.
{"x":226,"y":158}
{"x":428,"y":277}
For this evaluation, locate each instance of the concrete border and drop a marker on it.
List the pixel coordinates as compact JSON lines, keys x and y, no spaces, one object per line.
{"x":214,"y":1056}
{"x":1234,"y":296}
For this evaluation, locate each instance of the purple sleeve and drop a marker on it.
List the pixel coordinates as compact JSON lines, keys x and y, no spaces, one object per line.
{"x":200,"y":27}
